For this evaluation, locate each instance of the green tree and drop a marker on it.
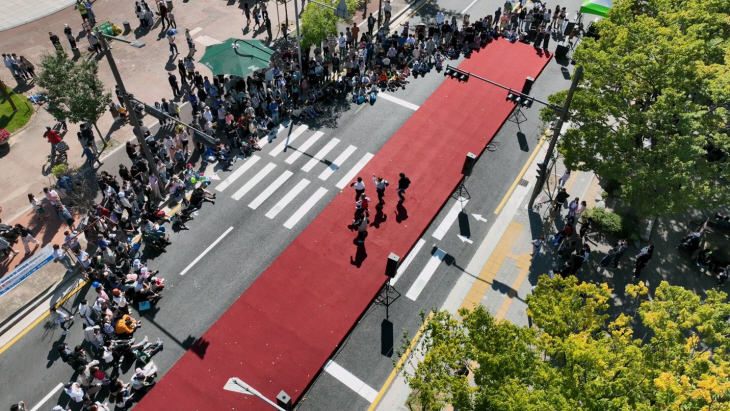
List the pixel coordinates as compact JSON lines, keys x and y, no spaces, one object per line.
{"x":75,"y":91}
{"x":318,"y":22}
{"x":579,"y":357}
{"x":654,"y":103}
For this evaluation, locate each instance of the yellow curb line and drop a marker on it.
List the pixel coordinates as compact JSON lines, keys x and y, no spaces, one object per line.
{"x":402,"y":360}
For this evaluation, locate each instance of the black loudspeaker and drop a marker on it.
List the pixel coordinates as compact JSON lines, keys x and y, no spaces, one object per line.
{"x":561,"y":51}
{"x":528,"y":85}
{"x":468,"y":164}
{"x":569,"y":28}
{"x":392,"y":266}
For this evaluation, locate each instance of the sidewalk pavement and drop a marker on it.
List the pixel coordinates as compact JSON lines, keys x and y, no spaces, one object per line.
{"x":503,"y":272}
{"x":19,"y":12}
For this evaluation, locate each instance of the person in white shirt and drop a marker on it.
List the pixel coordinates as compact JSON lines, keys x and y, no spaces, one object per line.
{"x":440,"y":19}
{"x":59,"y":255}
{"x":343,"y":45}
{"x":380,"y":184}
{"x":85,"y":314}
{"x":359,"y":187}
{"x":563,"y":179}
{"x":74,"y":390}
{"x":120,"y":300}
{"x":62,"y":319}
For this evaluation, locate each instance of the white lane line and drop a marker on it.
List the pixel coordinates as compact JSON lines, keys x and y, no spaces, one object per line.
{"x":304,"y":147}
{"x":47,"y":397}
{"x":253,"y":181}
{"x":238,"y":173}
{"x":353,"y":172}
{"x":469,"y":6}
{"x":320,"y":155}
{"x":337,"y":163}
{"x":450,"y":218}
{"x":270,"y":189}
{"x":206,"y":251}
{"x":397,"y":100}
{"x":426,"y":274}
{"x":288,"y":140}
{"x":276,"y":209}
{"x":195,"y":31}
{"x":409,"y":259}
{"x":304,"y":209}
{"x":269,"y":138}
{"x":352,"y":382}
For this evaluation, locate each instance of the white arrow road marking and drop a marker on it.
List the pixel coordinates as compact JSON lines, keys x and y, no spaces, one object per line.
{"x":464,"y":239}
{"x":479,"y":217}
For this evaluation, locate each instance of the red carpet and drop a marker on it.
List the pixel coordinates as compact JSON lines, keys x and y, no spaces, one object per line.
{"x":281,"y":331}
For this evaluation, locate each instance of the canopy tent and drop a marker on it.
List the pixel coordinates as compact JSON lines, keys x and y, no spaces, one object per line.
{"x":237,"y":57}
{"x":596,"y":7}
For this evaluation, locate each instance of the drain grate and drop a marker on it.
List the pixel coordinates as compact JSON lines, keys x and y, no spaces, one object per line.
{"x":523,"y":182}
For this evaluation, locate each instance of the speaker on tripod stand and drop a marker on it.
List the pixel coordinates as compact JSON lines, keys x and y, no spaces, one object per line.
{"x":461,"y":192}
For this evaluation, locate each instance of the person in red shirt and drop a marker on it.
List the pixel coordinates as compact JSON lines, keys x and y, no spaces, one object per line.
{"x":53,"y":138}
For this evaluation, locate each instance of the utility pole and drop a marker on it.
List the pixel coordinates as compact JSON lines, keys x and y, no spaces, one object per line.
{"x":128,"y":104}
{"x":299,"y":44}
{"x":577,"y":75}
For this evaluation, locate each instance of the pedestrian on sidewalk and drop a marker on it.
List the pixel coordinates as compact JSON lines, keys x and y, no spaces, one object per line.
{"x":623,"y":246}
{"x":371,"y":24}
{"x":191,"y":50}
{"x":256,"y":22}
{"x":94,"y":41}
{"x":173,"y":84}
{"x":537,"y":245}
{"x":171,"y":19}
{"x":572,"y":208}
{"x":7,"y":59}
{"x":359,"y":187}
{"x":361,"y":209}
{"x":564,"y":179}
{"x":579,"y":212}
{"x":91,"y":158}
{"x":560,"y":199}
{"x":54,"y":138}
{"x":62,"y":318}
{"x":66,"y":216}
{"x":37,"y":206}
{"x":403,"y":184}
{"x":267,"y":24}
{"x":85,"y":312}
{"x":69,"y":35}
{"x":6,"y":248}
{"x":247,"y":12}
{"x":56,"y":42}
{"x":173,"y":46}
{"x":90,"y":12}
{"x":585,"y":227}
{"x":579,"y":258}
{"x":380,"y":184}
{"x":53,"y":198}
{"x":362,"y":230}
{"x":642,"y":260}
{"x":606,"y":260}
{"x":162,"y":9}
{"x":26,"y":236}
{"x":387,"y":9}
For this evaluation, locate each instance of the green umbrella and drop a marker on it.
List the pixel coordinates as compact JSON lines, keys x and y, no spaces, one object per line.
{"x":237,"y":57}
{"x":596,"y":7}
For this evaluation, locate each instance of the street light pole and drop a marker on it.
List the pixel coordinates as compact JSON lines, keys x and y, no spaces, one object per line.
{"x":577,"y":75}
{"x":299,"y":44}
{"x":128,"y":104}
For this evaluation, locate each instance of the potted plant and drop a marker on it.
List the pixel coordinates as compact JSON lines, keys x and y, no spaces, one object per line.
{"x":4,"y":136}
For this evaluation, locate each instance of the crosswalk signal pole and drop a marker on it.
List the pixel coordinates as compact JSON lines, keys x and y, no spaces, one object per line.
{"x":542,"y":176}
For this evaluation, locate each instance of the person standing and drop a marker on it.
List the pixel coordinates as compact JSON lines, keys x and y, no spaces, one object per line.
{"x":362,"y":229}
{"x":642,"y":260}
{"x":371,"y":24}
{"x":361,"y":209}
{"x":267,"y":24}
{"x":173,"y":46}
{"x":585,"y":227}
{"x":572,"y":209}
{"x":81,"y":7}
{"x":91,"y":158}
{"x":359,"y":187}
{"x":380,"y":184}
{"x":191,"y":49}
{"x":7,"y":248}
{"x":247,"y":12}
{"x":162,"y":9}
{"x":55,"y":41}
{"x":70,"y":36}
{"x":171,"y":19}
{"x":93,"y":41}
{"x":173,"y":83}
{"x":63,"y":319}
{"x":37,"y":206}
{"x":54,"y":138}
{"x":537,"y":245}
{"x":403,"y":184}
{"x":623,"y":246}
{"x":85,"y":314}
{"x":355,"y":32}
{"x":26,"y":236}
{"x":564,"y":179}
{"x":66,"y":216}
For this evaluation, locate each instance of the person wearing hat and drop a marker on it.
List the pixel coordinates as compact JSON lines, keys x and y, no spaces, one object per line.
{"x":120,"y":301}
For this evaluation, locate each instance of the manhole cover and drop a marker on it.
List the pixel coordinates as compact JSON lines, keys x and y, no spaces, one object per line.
{"x":523,"y":182}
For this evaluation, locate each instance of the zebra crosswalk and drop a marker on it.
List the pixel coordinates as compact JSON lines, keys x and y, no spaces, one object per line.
{"x":268,"y":181}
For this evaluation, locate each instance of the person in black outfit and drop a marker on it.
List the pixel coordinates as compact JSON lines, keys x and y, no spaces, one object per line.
{"x":55,"y":41}
{"x":70,"y":36}
{"x":403,"y":184}
{"x":173,"y":83}
{"x":561,"y":198}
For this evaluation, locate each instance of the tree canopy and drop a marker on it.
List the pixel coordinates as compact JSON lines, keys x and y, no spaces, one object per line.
{"x":318,"y":22}
{"x":74,"y":89}
{"x":669,"y":352}
{"x":651,"y":113}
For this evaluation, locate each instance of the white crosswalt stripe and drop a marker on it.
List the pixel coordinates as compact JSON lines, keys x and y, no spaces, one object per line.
{"x":396,"y":100}
{"x":409,"y":259}
{"x":337,"y":163}
{"x":238,"y":173}
{"x":304,"y":147}
{"x":276,"y":209}
{"x":304,"y":209}
{"x":288,"y":140}
{"x":450,"y":218}
{"x":353,"y":172}
{"x":269,"y":138}
{"x":253,"y":181}
{"x":426,"y":274}
{"x":270,"y":189}
{"x":352,"y":382}
{"x":320,"y":155}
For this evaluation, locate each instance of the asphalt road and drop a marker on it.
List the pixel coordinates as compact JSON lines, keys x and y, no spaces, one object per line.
{"x":193,"y":301}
